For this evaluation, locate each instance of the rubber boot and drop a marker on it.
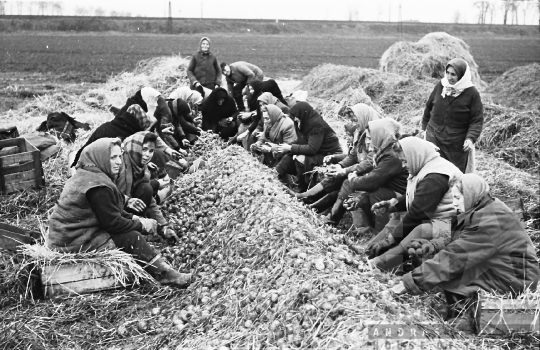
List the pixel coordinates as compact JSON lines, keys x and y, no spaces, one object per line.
{"x":325,"y":202}
{"x":166,"y":275}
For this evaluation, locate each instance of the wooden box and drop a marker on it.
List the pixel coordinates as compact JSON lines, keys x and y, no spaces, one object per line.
{"x":20,"y":166}
{"x":74,"y":279}
{"x":504,"y":316}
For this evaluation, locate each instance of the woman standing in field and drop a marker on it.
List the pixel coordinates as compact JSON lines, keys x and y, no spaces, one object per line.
{"x":203,"y":69}
{"x":454,"y":114}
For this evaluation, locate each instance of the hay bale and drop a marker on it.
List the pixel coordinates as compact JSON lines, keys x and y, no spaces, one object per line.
{"x":428,"y":57}
{"x":518,"y":87}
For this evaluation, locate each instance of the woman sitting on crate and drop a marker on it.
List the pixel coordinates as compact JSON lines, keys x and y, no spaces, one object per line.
{"x":316,"y":139}
{"x":359,"y":159}
{"x":219,"y":114}
{"x":278,"y":129}
{"x":428,"y":203}
{"x":488,"y":249}
{"x":386,"y":180}
{"x":89,"y":215}
{"x":135,"y":180}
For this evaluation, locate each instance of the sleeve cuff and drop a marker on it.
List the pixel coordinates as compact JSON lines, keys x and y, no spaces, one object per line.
{"x":294,"y":149}
{"x":408,"y":281}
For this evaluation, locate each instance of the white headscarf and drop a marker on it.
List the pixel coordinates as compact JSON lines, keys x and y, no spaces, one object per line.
{"x":150,"y":96}
{"x":186,"y":94}
{"x":463,"y":83}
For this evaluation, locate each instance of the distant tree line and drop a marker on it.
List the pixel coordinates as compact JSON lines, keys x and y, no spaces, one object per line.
{"x":53,"y":8}
{"x":509,"y":9}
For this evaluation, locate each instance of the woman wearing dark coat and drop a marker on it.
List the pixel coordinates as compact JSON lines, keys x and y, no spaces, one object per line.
{"x":318,"y":140}
{"x":488,"y":249}
{"x":90,"y":216}
{"x":183,"y":123}
{"x":454,"y":115}
{"x":203,"y":68}
{"x":219,"y":114}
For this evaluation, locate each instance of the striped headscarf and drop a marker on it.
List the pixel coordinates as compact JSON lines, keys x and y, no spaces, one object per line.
{"x":146,"y":122}
{"x":133,"y":170}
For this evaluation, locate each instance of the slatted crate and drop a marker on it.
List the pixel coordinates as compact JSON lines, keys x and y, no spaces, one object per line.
{"x":505,"y":316}
{"x":20,"y":166}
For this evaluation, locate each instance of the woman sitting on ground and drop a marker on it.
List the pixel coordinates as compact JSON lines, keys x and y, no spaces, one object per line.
{"x":182,"y":125}
{"x":89,"y":215}
{"x":135,"y":180}
{"x":219,"y":114}
{"x":488,"y":250}
{"x":428,"y":202}
{"x":387,"y":179}
{"x":359,"y":159}
{"x":316,"y":139}
{"x":278,"y":129}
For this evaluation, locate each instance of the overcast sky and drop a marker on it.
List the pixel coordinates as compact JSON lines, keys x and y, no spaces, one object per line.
{"x":364,"y":10}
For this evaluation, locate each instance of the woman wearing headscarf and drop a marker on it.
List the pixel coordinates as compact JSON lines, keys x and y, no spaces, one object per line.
{"x":89,"y":214}
{"x":386,"y":180}
{"x":359,"y":159}
{"x":135,"y":117}
{"x":428,"y":203}
{"x":317,"y":140}
{"x":488,"y":250}
{"x":203,"y":69}
{"x":181,"y":126}
{"x":278,"y":129}
{"x":454,"y":115}
{"x":266,"y":98}
{"x":192,"y":97}
{"x":219,"y":114}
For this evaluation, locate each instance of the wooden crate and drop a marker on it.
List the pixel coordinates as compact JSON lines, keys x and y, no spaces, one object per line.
{"x":20,"y":166}
{"x":73,"y":279}
{"x":503,"y":316}
{"x":12,"y":237}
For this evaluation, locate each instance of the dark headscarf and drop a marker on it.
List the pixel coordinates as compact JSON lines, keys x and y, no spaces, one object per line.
{"x":311,"y":122}
{"x":212,"y":112}
{"x":260,"y":87}
{"x":459,"y":65}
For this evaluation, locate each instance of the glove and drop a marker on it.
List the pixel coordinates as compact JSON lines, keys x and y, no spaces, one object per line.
{"x":169,"y":233}
{"x":375,"y":249}
{"x":384,"y":206}
{"x":149,"y":225}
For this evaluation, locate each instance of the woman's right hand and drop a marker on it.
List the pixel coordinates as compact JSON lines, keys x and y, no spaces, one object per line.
{"x":136,"y":204}
{"x":384,"y":206}
{"x":328,"y":159}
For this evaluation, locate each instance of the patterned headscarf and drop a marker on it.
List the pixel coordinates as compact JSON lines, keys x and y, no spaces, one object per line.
{"x":146,"y":122}
{"x":134,"y":171}
{"x":96,"y":157}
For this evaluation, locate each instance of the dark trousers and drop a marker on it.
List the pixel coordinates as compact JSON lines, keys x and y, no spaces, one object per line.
{"x":288,"y":165}
{"x":134,"y":243}
{"x":237,"y":95}
{"x":367,"y":199}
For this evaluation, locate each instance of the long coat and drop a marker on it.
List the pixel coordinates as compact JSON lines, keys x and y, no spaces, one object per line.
{"x":450,"y":120}
{"x":489,"y":250}
{"x":204,"y":68}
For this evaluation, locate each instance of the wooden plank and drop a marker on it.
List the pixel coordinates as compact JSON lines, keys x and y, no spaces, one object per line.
{"x":6,"y":151}
{"x":79,"y":278}
{"x":11,"y":241}
{"x":39,"y":180}
{"x":17,"y":186}
{"x":2,"y":187}
{"x":20,"y":176}
{"x":29,"y":147}
{"x":18,"y":168}
{"x":11,"y":142}
{"x":509,"y":304}
{"x":17,"y":159}
{"x":497,"y":323}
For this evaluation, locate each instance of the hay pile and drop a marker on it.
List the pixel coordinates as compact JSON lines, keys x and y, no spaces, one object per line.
{"x":518,"y":87}
{"x":428,"y":57}
{"x":512,"y":135}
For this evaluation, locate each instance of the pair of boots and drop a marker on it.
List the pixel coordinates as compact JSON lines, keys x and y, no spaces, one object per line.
{"x":166,"y":275}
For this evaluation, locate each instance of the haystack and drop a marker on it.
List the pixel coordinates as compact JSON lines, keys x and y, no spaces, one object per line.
{"x":428,"y":57}
{"x":518,"y":87}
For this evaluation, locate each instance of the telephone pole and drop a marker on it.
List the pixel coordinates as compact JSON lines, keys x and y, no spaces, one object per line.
{"x":169,"y":20}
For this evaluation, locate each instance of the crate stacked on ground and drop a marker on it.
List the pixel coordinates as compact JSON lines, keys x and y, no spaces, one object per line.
{"x":20,"y":166}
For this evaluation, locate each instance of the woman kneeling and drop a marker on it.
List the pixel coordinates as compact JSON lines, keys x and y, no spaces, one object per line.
{"x":89,"y":214}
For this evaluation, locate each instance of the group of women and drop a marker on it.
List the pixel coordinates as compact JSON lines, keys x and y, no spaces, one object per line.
{"x":473,"y":240}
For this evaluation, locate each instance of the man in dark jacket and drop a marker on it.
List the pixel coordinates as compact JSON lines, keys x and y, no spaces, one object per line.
{"x":203,"y":68}
{"x":239,"y":74}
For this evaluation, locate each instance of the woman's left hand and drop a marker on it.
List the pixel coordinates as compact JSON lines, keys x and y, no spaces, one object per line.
{"x":152,"y":166}
{"x":352,"y":176}
{"x":284,"y":148}
{"x":399,"y":288}
{"x":136,"y":204}
{"x":468,"y":145}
